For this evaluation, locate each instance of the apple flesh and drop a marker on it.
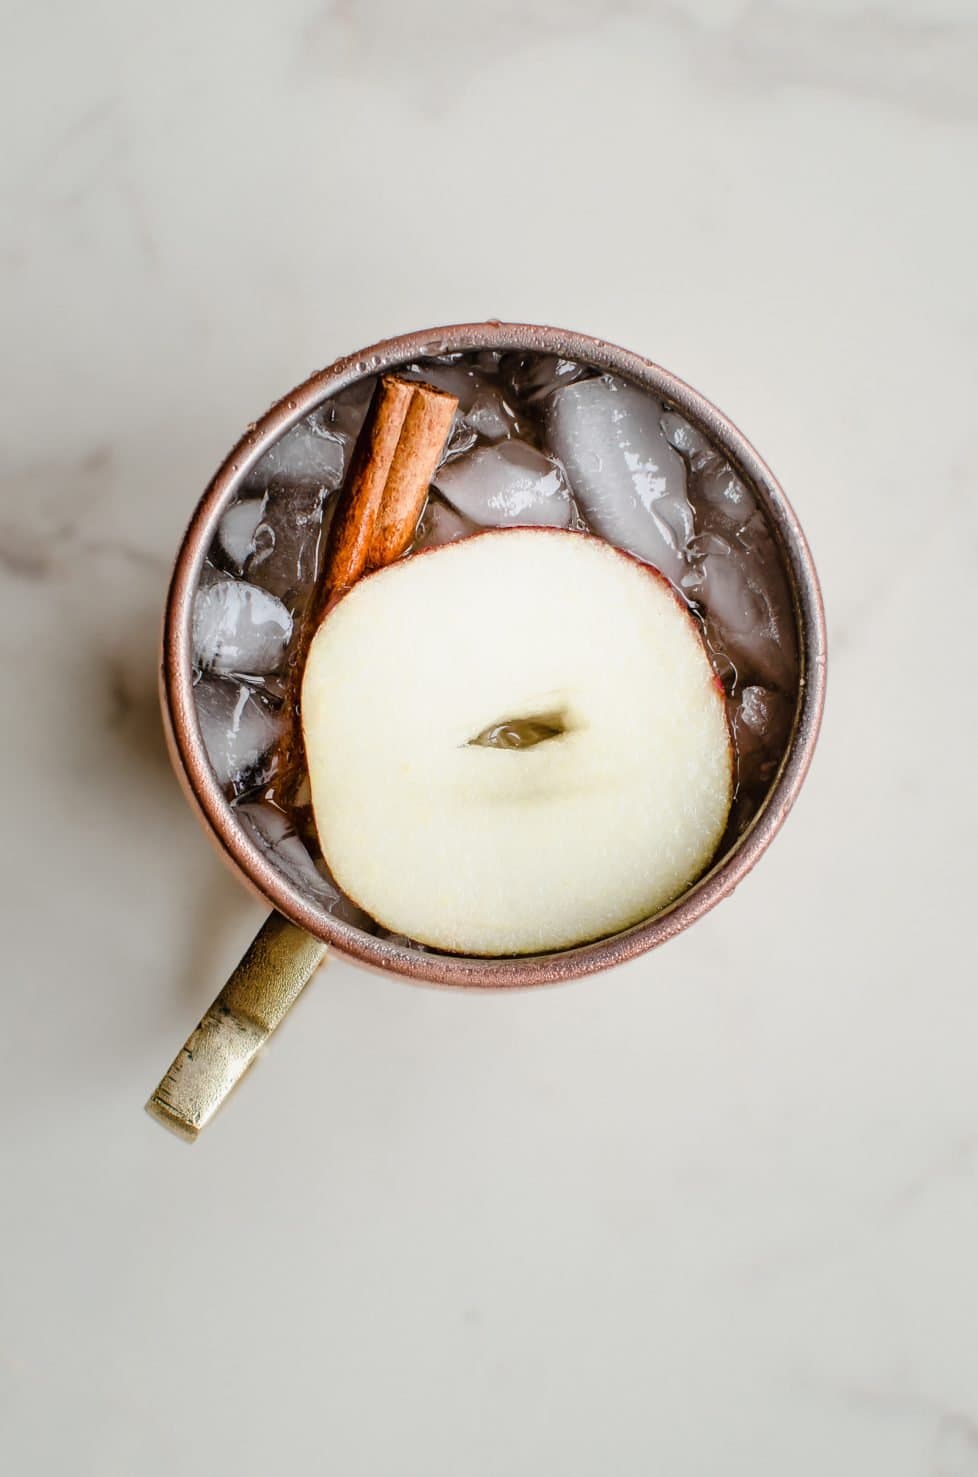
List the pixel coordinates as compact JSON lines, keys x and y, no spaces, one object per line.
{"x":516,"y":743}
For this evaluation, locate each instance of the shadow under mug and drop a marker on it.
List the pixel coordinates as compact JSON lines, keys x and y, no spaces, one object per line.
{"x":295,"y":939}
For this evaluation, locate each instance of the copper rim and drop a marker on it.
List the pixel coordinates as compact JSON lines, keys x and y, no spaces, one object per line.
{"x":186,"y":744}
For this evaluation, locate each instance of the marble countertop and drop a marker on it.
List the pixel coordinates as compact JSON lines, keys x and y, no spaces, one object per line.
{"x":716,"y":1211}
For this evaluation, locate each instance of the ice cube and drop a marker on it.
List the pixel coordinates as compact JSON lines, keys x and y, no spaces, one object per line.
{"x":722,"y":502}
{"x":482,"y":409}
{"x":487,"y":360}
{"x":344,"y":413}
{"x":761,"y":722}
{"x":746,"y":605}
{"x":238,"y":627}
{"x":455,"y":379}
{"x":532,"y":377}
{"x":505,"y":485}
{"x":735,"y":570}
{"x":461,"y":439}
{"x":240,"y":729}
{"x":687,"y":440}
{"x":440,"y":524}
{"x":236,"y":532}
{"x":288,"y":540}
{"x":766,"y":565}
{"x":756,"y":706}
{"x":628,"y":481}
{"x":313,"y":453}
{"x":489,"y":415}
{"x":727,"y":591}
{"x":276,"y":836}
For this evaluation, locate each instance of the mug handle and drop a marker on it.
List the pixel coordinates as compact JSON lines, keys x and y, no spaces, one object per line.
{"x":279,"y":963}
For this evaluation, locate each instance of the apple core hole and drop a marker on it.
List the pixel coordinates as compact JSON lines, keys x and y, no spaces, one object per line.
{"x":521,"y":733}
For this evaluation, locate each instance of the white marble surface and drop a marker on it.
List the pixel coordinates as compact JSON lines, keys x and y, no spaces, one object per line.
{"x":717,"y":1212}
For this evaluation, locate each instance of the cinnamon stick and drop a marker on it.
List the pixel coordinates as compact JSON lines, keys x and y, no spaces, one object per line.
{"x":394,"y":461}
{"x":419,"y":448}
{"x":395,"y":458}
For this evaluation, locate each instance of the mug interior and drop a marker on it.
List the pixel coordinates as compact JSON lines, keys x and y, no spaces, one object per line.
{"x":256,"y":865}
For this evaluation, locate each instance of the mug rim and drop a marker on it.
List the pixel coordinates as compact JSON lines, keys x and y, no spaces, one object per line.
{"x":242,"y":851}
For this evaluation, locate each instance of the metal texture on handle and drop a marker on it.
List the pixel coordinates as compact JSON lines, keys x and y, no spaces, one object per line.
{"x":262,"y":990}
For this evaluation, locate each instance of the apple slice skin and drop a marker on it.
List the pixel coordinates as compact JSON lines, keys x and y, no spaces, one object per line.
{"x":500,"y":852}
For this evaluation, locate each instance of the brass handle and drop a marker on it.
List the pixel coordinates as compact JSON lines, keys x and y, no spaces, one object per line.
{"x":262,"y":990}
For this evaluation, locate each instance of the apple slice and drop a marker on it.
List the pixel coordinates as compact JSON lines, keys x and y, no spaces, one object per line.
{"x":516,"y":743}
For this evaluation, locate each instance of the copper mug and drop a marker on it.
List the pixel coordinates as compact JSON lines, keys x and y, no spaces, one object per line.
{"x":295,"y":938}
